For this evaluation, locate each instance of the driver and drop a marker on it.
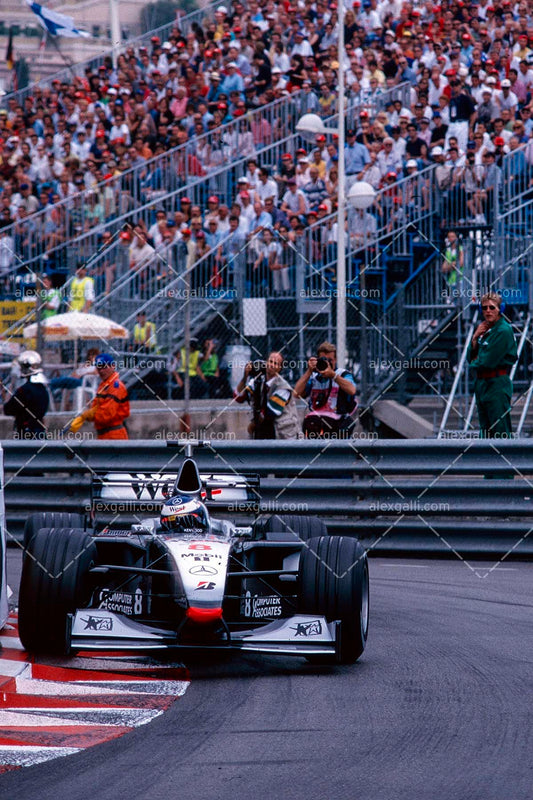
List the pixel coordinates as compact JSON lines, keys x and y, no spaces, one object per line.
{"x":185,"y":514}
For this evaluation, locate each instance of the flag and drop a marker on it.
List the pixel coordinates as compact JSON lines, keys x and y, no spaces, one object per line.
{"x":56,"y":24}
{"x":10,"y":58}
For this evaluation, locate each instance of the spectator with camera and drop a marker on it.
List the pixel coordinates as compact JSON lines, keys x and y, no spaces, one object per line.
{"x":331,"y":396}
{"x":274,"y":413}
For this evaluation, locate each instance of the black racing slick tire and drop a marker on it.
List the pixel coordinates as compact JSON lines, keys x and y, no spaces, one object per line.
{"x":55,"y":582}
{"x":280,"y":527}
{"x":51,"y":519}
{"x":333,"y":582}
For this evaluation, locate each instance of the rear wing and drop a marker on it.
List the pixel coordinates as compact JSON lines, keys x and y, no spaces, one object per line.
{"x":141,"y":493}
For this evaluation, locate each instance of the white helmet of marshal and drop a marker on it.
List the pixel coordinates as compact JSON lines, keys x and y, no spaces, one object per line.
{"x":184,"y":514}
{"x":30,"y":363}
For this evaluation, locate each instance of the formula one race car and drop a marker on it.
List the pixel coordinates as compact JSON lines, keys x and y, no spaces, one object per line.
{"x":183,"y":579}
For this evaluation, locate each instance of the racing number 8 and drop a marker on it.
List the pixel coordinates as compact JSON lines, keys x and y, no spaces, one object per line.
{"x":138,"y":604}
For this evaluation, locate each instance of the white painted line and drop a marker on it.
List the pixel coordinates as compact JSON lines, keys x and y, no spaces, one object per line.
{"x":9,"y":668}
{"x":50,"y":717}
{"x":49,"y":688}
{"x":12,"y":642}
{"x":26,"y":756}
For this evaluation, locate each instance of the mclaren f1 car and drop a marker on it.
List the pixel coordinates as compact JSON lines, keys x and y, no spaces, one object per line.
{"x":183,"y":578}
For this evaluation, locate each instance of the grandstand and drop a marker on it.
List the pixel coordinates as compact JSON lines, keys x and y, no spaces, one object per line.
{"x":114,"y":157}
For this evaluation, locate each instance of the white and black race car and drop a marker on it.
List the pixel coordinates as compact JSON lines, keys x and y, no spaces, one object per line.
{"x":183,"y":579}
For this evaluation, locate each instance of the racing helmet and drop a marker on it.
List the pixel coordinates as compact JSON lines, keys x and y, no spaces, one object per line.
{"x":30,"y":363}
{"x":184,"y":514}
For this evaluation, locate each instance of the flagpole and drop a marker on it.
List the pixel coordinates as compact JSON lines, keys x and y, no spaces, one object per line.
{"x":116,"y":36}
{"x":67,"y":60}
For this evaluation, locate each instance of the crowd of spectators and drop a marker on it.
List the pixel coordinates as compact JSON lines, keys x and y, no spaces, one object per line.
{"x":469,"y":67}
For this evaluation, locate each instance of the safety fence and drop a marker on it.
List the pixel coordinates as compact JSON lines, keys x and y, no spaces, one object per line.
{"x":57,"y":237}
{"x":449,"y":496}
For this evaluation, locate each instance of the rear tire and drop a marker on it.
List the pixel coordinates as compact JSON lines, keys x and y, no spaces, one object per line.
{"x":51,"y":519}
{"x":282,"y":527}
{"x":333,"y":582}
{"x":55,"y":582}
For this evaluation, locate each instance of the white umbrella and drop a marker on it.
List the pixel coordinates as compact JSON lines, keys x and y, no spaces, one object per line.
{"x":75,"y":325}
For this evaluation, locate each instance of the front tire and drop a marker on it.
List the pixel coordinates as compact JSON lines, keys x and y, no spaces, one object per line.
{"x":54,"y":583}
{"x":50,"y":519}
{"x":333,"y":582}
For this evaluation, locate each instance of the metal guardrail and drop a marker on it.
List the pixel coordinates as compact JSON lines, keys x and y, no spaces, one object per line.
{"x":416,"y":495}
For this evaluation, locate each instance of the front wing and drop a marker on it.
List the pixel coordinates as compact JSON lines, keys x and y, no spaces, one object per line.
{"x":299,"y":635}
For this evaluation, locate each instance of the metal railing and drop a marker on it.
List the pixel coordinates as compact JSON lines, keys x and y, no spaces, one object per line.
{"x":414,"y":495}
{"x":133,"y":193}
{"x":78,"y":69}
{"x":150,"y":183}
{"x":503,"y":264}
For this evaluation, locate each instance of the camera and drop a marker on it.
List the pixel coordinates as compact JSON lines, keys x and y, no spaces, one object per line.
{"x":322,"y":364}
{"x":258,"y":368}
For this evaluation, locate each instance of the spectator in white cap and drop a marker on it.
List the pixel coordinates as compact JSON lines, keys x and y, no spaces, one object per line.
{"x":486,"y":109}
{"x":220,"y":16}
{"x":233,"y":81}
{"x":278,"y":81}
{"x":506,"y":99}
{"x":388,"y":160}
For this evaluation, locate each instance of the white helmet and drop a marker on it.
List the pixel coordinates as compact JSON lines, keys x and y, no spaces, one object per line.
{"x":184,"y":514}
{"x":30,"y":363}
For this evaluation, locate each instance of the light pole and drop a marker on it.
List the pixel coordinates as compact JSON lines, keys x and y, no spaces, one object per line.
{"x":361,"y":196}
{"x":313,"y":124}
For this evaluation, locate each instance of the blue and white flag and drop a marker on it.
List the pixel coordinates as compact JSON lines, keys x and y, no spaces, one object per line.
{"x":56,"y":24}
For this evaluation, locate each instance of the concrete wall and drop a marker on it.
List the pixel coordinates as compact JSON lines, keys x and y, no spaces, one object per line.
{"x":209,"y":419}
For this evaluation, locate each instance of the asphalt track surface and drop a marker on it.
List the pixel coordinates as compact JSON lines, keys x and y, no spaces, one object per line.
{"x":439,"y":706}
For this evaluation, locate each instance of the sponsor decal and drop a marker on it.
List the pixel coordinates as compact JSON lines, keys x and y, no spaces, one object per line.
{"x":143,"y":489}
{"x":199,"y":547}
{"x":313,"y":628}
{"x":98,"y":624}
{"x":202,"y":569}
{"x":122,"y":602}
{"x":207,"y":585}
{"x":204,"y":557}
{"x":258,"y":607}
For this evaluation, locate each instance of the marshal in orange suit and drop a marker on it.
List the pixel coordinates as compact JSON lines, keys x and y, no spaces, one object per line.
{"x":111,"y":405}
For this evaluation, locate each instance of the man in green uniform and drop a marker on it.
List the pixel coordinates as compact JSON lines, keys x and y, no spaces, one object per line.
{"x":493,"y":352}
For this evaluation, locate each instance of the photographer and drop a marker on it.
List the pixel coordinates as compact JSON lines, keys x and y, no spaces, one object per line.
{"x":274,"y":414}
{"x":331,"y":393}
